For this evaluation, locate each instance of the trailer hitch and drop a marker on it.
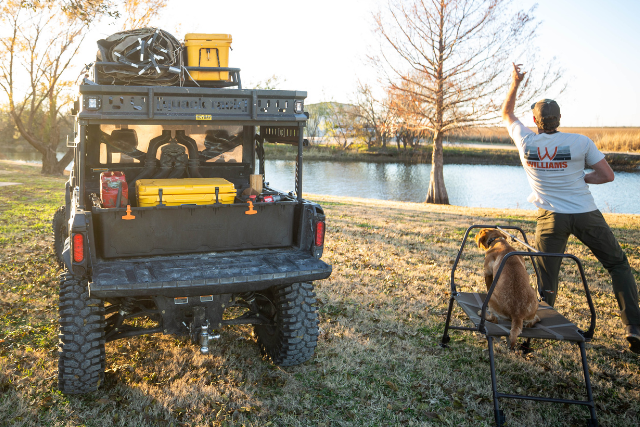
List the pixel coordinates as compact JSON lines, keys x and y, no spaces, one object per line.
{"x":199,"y":330}
{"x":206,"y":337}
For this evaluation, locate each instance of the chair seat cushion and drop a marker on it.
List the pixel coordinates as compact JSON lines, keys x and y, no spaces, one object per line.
{"x":552,"y":325}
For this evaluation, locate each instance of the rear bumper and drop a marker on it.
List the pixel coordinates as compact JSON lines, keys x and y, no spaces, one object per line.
{"x":205,"y":274}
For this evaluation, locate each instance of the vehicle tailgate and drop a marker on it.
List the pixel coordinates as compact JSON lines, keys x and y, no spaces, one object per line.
{"x":205,"y":273}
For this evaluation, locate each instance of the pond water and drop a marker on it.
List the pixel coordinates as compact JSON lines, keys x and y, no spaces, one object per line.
{"x":467,"y":185}
{"x":25,"y":156}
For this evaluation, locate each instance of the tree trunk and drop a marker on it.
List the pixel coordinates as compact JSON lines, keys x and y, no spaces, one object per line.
{"x":437,"y":192}
{"x":46,"y":146}
{"x":51,"y":165}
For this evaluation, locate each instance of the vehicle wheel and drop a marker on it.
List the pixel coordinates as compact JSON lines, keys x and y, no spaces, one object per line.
{"x":60,"y":233}
{"x":81,"y":355}
{"x":293,"y":337}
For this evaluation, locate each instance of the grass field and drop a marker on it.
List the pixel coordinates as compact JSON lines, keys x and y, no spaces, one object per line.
{"x":620,"y":139}
{"x":377,"y":362}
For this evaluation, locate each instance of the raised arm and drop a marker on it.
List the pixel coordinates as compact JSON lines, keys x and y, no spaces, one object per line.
{"x":508,"y":116}
{"x":602,"y":173}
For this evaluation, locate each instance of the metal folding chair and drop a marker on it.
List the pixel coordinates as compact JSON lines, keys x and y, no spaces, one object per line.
{"x":552,"y":325}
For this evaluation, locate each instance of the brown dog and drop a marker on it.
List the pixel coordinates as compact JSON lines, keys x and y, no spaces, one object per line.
{"x":513,"y":297}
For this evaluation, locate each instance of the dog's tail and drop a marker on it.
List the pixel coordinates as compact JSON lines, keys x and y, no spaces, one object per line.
{"x":516,"y":329}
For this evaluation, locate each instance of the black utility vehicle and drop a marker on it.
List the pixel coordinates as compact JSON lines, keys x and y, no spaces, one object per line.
{"x":131,"y":270}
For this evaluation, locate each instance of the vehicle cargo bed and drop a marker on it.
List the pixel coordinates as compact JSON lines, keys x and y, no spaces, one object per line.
{"x":205,"y":273}
{"x":186,"y":229}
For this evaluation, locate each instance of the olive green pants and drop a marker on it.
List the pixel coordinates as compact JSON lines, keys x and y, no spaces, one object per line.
{"x":590,"y":228}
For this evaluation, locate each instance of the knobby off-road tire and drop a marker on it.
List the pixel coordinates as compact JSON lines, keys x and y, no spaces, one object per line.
{"x":59,"y":225}
{"x":294,"y":337}
{"x":81,"y":355}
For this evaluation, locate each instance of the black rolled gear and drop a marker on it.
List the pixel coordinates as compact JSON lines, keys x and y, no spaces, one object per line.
{"x":293,"y":337}
{"x":124,"y":49}
{"x":81,"y":353}
{"x":59,"y":225}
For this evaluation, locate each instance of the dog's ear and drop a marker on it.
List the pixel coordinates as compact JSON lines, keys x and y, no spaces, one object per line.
{"x":481,"y":238}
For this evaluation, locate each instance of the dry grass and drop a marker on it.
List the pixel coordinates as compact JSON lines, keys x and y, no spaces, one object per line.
{"x":377,"y":362}
{"x":619,"y":139}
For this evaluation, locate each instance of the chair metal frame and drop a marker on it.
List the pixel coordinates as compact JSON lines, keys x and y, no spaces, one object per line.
{"x":531,"y":253}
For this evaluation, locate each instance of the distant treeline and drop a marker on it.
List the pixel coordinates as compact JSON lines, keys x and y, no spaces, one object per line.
{"x":360,"y":123}
{"x":621,"y":139}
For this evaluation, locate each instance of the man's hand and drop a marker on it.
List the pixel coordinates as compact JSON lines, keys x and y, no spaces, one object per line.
{"x":508,"y":116}
{"x":517,"y":75}
{"x":601,"y":174}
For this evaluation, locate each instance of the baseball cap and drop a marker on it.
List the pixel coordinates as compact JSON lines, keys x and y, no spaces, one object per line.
{"x":545,"y":108}
{"x":547,"y":114}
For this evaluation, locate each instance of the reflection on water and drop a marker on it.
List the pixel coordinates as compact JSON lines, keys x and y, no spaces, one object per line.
{"x":467,"y":185}
{"x":24,"y":156}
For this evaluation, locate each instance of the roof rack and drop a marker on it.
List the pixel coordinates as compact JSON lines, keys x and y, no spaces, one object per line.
{"x":234,"y":76}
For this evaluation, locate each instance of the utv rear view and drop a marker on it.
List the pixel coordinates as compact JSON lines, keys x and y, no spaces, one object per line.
{"x":169,"y":221}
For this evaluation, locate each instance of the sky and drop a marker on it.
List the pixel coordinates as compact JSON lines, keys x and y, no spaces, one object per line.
{"x":321,"y":47}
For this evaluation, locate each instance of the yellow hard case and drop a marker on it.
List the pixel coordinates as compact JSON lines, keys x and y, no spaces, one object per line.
{"x":208,"y":50}
{"x":185,"y":199}
{"x":199,"y":191}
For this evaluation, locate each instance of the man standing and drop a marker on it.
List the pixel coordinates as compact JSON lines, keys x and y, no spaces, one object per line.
{"x":554,"y":162}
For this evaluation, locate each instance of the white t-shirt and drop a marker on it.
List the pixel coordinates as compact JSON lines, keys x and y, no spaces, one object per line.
{"x":554,"y":164}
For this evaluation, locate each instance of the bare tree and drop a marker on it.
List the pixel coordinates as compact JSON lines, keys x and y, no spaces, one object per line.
{"x":39,"y":41}
{"x":366,"y":111}
{"x":374,"y":116}
{"x":447,"y":60}
{"x":388,"y":118}
{"x":270,"y":83}
{"x":317,"y":120}
{"x":140,"y":13}
{"x":340,"y":123}
{"x":409,"y":137}
{"x":409,"y":126}
{"x":42,"y":41}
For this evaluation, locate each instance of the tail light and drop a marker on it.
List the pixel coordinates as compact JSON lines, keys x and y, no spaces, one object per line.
{"x":78,"y":248}
{"x":319,"y":233}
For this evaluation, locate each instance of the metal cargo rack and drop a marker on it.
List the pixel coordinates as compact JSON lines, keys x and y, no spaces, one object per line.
{"x":234,"y":75}
{"x":279,"y":114}
{"x":145,"y":105}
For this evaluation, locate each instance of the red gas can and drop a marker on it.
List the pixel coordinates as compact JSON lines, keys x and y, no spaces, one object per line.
{"x":110,"y":185}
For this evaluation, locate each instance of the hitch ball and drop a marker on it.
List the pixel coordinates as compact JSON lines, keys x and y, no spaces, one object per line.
{"x":205,"y":338}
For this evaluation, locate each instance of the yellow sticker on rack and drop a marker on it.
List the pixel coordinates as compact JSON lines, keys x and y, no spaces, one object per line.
{"x":203,"y":116}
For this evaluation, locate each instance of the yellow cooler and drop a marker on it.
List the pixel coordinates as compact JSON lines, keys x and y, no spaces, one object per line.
{"x":208,"y":50}
{"x":187,"y":191}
